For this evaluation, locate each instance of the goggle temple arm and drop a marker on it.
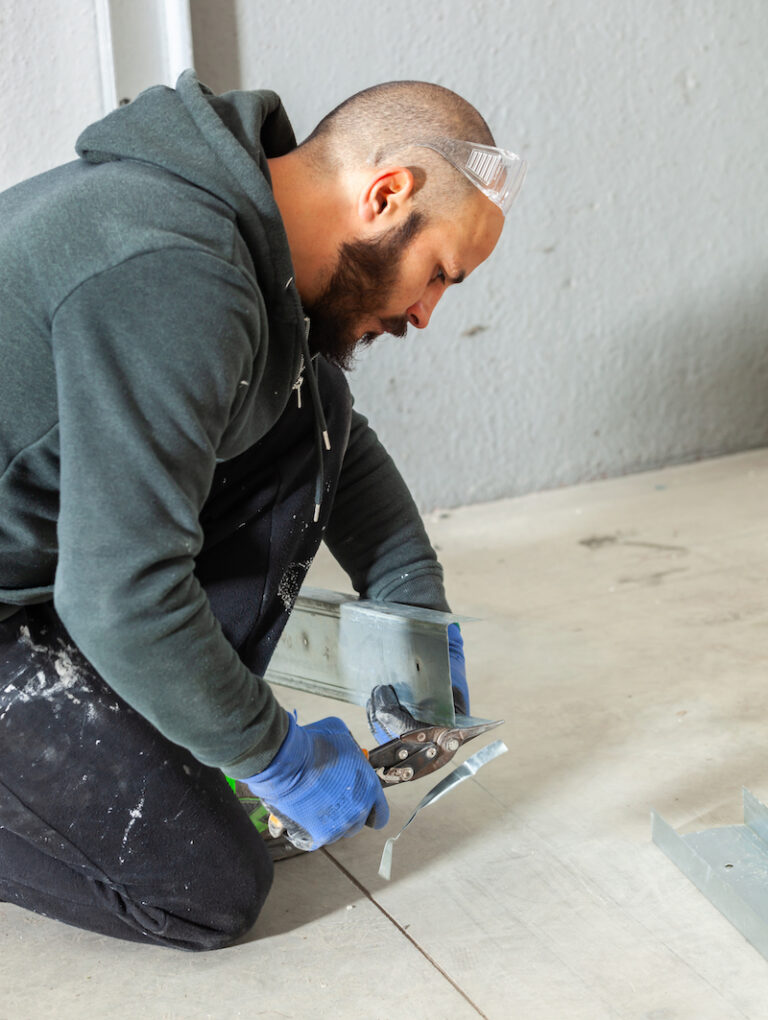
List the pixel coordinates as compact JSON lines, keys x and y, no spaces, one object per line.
{"x":498,"y":173}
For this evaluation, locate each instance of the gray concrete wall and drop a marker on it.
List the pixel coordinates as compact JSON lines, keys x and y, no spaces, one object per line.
{"x":621,"y":324}
{"x":50,"y":85}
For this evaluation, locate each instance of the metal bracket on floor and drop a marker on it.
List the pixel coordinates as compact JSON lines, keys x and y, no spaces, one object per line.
{"x":340,"y":647}
{"x":729,"y":864}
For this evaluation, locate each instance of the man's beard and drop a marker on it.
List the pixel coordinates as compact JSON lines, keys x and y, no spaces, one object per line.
{"x":365,"y":275}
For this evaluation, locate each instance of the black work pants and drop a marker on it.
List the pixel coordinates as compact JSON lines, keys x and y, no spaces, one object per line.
{"x":104,"y":823}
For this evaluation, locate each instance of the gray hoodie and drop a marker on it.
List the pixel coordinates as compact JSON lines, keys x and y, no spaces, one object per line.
{"x":148,"y":330}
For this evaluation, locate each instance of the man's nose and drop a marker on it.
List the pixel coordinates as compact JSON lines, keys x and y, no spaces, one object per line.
{"x":420,"y":311}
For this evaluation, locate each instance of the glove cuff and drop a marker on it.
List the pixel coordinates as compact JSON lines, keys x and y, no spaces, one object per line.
{"x":458,"y":669}
{"x":290,"y":758}
{"x":455,"y":640}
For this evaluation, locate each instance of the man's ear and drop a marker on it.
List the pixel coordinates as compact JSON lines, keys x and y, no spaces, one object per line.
{"x":385,"y":193}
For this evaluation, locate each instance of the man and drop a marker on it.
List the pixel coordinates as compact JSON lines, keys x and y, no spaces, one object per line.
{"x":166,"y":302}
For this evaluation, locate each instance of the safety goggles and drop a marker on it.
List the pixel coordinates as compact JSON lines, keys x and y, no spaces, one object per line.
{"x":498,"y":173}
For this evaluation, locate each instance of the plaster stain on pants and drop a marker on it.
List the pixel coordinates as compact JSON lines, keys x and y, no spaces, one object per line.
{"x":134,"y":814}
{"x":290,"y":583}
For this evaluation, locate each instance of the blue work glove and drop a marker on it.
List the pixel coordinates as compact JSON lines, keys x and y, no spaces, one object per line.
{"x":458,"y":670}
{"x":320,"y":785}
{"x":387,"y":718}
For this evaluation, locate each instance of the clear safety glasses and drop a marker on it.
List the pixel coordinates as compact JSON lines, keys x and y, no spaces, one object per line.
{"x":498,"y":173}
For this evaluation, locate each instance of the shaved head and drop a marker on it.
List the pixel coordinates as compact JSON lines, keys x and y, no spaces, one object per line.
{"x":386,"y":122}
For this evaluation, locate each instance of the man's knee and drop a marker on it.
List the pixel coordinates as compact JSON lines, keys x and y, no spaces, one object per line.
{"x":238,"y":892}
{"x":223,"y":880}
{"x":211,"y":905}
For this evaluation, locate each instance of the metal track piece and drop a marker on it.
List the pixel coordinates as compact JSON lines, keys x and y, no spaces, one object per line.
{"x":341,"y":647}
{"x":729,"y":864}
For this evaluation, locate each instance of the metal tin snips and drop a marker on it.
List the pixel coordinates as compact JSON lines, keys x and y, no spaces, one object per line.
{"x":423,"y":750}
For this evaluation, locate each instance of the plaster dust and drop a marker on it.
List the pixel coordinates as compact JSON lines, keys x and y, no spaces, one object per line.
{"x":30,"y":682}
{"x":33,"y":679}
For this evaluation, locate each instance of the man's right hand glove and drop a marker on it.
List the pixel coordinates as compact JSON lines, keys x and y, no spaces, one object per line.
{"x":320,"y":785}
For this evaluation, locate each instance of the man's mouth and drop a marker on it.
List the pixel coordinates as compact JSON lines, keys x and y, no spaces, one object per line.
{"x":397,"y":325}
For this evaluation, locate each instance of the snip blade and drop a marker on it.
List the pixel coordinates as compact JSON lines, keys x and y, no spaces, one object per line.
{"x":464,"y":771}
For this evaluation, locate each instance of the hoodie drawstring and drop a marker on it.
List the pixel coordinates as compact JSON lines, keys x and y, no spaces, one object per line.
{"x":322,"y":439}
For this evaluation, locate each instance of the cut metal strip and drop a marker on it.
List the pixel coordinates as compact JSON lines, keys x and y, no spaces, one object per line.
{"x":466,"y":770}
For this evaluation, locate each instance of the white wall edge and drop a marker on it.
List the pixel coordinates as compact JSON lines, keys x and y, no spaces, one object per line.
{"x":106,"y":55}
{"x":178,"y":27}
{"x":141,"y":43}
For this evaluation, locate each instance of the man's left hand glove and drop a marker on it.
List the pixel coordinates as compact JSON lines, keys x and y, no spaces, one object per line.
{"x":388,"y":719}
{"x":458,"y":670}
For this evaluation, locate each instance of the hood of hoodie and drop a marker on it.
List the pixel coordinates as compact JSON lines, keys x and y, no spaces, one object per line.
{"x":220,"y":144}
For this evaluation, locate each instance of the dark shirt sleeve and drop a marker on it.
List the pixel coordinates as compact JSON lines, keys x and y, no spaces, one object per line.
{"x":376,"y":532}
{"x":148,"y":357}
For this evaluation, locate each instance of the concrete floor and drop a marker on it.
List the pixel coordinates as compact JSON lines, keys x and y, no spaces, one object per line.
{"x":624,"y":637}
